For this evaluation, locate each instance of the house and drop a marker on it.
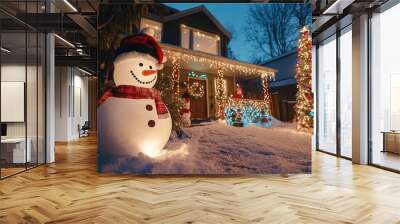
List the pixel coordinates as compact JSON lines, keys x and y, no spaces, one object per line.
{"x":195,"y":44}
{"x":283,"y":87}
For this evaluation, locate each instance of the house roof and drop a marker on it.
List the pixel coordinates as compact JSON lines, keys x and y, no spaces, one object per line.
{"x":286,"y":66}
{"x":204,"y":62}
{"x":198,"y":9}
{"x":285,"y":82}
{"x":284,"y":55}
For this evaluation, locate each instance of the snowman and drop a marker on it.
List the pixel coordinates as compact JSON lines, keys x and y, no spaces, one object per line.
{"x":132,"y":119}
{"x":185,"y":112}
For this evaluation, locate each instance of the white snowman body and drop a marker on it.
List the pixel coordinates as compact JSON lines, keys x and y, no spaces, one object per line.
{"x":132,"y":126}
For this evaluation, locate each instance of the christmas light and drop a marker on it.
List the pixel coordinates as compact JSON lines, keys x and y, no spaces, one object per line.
{"x":304,"y":105}
{"x":251,"y":111}
{"x":169,"y":87}
{"x":176,"y":65}
{"x":178,"y":57}
{"x":197,"y":75}
{"x":196,"y":90}
{"x":267,"y":98}
{"x":220,"y":94}
{"x":210,"y":62}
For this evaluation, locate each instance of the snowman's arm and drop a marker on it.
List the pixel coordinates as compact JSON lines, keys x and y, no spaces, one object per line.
{"x":162,"y":110}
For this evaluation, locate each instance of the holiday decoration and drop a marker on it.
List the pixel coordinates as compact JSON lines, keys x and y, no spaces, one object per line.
{"x":267,"y":98}
{"x":197,"y":75}
{"x":167,"y":85}
{"x":238,"y":93}
{"x":226,"y":65}
{"x":176,"y":66}
{"x":264,"y":117}
{"x":196,"y":90}
{"x":220,"y":94}
{"x":185,"y":112}
{"x":237,"y":118}
{"x":179,"y":56}
{"x":304,"y":106}
{"x":252,"y":111}
{"x":132,"y":117}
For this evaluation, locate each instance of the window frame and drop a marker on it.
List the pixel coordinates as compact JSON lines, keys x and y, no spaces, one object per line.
{"x":334,"y":36}
{"x":191,"y":39}
{"x":152,"y":21}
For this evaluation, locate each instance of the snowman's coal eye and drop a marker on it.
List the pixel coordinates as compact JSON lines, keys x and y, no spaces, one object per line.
{"x":141,"y":64}
{"x":150,"y":67}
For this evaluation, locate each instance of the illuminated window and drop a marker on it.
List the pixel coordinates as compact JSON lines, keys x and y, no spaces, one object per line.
{"x":205,"y":42}
{"x":201,"y":41}
{"x":185,"y":37}
{"x":153,"y":25}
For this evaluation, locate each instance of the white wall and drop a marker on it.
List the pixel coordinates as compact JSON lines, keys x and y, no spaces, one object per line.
{"x":34,"y":125}
{"x":62,"y":82}
{"x":50,"y":92}
{"x":360,"y":89}
{"x":71,"y":102}
{"x":16,"y":73}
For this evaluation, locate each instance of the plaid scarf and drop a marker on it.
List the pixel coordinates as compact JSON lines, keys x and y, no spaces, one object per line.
{"x":133,"y":92}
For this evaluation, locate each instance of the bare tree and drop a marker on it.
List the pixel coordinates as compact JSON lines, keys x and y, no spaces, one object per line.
{"x":272,"y":29}
{"x":115,"y":21}
{"x":303,"y":14}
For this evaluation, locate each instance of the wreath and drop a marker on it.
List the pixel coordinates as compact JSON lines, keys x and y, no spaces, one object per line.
{"x":196,"y":90}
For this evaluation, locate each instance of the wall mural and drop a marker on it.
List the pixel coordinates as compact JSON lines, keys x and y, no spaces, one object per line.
{"x":170,"y":109}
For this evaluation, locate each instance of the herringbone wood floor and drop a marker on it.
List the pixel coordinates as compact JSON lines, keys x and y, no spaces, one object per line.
{"x":71,"y":191}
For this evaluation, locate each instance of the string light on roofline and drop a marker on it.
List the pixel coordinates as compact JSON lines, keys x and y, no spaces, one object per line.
{"x":214,"y":64}
{"x":221,"y":99}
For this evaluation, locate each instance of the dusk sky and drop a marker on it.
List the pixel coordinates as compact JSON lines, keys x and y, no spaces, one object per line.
{"x":232,"y":16}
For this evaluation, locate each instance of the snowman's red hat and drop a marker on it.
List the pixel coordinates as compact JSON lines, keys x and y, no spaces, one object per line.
{"x":142,"y":43}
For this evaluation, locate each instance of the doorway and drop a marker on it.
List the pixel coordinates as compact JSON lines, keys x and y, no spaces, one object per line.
{"x":198,"y":101}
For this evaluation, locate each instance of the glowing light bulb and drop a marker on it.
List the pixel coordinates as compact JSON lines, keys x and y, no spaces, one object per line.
{"x":150,"y":149}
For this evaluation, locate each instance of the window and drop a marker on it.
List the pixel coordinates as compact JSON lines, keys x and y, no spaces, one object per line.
{"x":385,"y":88}
{"x":205,"y":42}
{"x":346,"y":93}
{"x":185,"y":38}
{"x":327,"y":95}
{"x":153,"y":25}
{"x":22,"y":101}
{"x":199,"y":40}
{"x":334,"y":94}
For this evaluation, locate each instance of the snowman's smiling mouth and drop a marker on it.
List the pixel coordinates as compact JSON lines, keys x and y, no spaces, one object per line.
{"x":140,"y":81}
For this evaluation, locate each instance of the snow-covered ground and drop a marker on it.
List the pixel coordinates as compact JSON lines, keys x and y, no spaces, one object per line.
{"x":217,"y":148}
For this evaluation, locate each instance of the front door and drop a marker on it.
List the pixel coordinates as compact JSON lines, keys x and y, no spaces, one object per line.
{"x":198,"y":101}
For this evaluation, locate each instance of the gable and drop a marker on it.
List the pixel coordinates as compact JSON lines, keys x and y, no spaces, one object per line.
{"x":199,"y":18}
